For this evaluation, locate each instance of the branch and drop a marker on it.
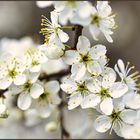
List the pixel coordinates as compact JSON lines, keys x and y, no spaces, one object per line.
{"x":64,"y":133}
{"x":56,"y":76}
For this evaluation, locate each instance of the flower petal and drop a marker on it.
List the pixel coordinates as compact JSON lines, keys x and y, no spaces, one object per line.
{"x":20,"y":79}
{"x":97,"y":51}
{"x":94,"y":85}
{"x":63,"y":36}
{"x":83,"y":45}
{"x":128,"y":116}
{"x":69,"y":86}
{"x":118,"y":89}
{"x":2,"y":108}
{"x":78,"y":71}
{"x":24,"y":101}
{"x":94,"y":68}
{"x":132,"y":100}
{"x":36,"y":90}
{"x":35,"y":68}
{"x":90,"y":101}
{"x":108,"y":79}
{"x":54,"y":18}
{"x":52,"y":87}
{"x":106,"y":106}
{"x":44,"y":111}
{"x":102,"y":123}
{"x":103,"y":8}
{"x":54,"y":51}
{"x":74,"y":101}
{"x":5,"y":82}
{"x":43,"y":4}
{"x":71,"y":57}
{"x":94,"y":31}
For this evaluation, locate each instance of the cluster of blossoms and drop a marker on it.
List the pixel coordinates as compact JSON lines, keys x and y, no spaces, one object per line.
{"x":91,"y":83}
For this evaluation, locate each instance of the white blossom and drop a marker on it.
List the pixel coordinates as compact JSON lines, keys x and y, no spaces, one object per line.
{"x":117,"y":120}
{"x":86,"y":58}
{"x":49,"y":100}
{"x":34,"y":59}
{"x":67,"y":9}
{"x":129,"y":79}
{"x":105,"y":89}
{"x":54,"y":36}
{"x":30,"y":89}
{"x":79,"y":93}
{"x":12,"y":70}
{"x":100,"y":20}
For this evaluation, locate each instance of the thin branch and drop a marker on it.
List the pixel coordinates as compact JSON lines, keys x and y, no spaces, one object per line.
{"x":56,"y":76}
{"x":64,"y":133}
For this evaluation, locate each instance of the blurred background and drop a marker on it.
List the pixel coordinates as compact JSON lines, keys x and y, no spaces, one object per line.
{"x":22,"y":18}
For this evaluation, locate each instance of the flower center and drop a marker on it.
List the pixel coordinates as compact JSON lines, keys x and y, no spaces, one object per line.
{"x":82,"y":88}
{"x":95,"y":20}
{"x":27,"y":85}
{"x":86,"y":58}
{"x":115,"y":116}
{"x":12,"y":73}
{"x":104,"y":93}
{"x":34,"y":63}
{"x":45,"y":98}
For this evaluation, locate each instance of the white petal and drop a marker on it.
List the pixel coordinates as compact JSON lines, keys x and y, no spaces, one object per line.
{"x":33,"y":76}
{"x":36,"y":90}
{"x":132,"y":100}
{"x":94,"y":68}
{"x":118,"y":89}
{"x":63,"y":36}
{"x":108,"y":79}
{"x":90,"y":101}
{"x":78,"y":71}
{"x":24,"y":101}
{"x":20,"y":79}
{"x":83,"y":45}
{"x":54,"y":18}
{"x":65,"y":15}
{"x":76,"y":19}
{"x":2,"y":108}
{"x":71,"y":57}
{"x":69,"y":86}
{"x":121,"y":66}
{"x":94,"y":31}
{"x":106,"y":106}
{"x":74,"y":101}
{"x":97,"y":51}
{"x":43,"y":4}
{"x":56,"y":100}
{"x":94,"y":85}
{"x":5,"y":82}
{"x":103,"y":8}
{"x":54,"y":51}
{"x":108,"y":37}
{"x":35,"y":68}
{"x":128,"y":116}
{"x":52,"y":87}
{"x":102,"y":123}
{"x":15,"y":89}
{"x":44,"y":111}
{"x":84,"y":9}
{"x":118,"y":104}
